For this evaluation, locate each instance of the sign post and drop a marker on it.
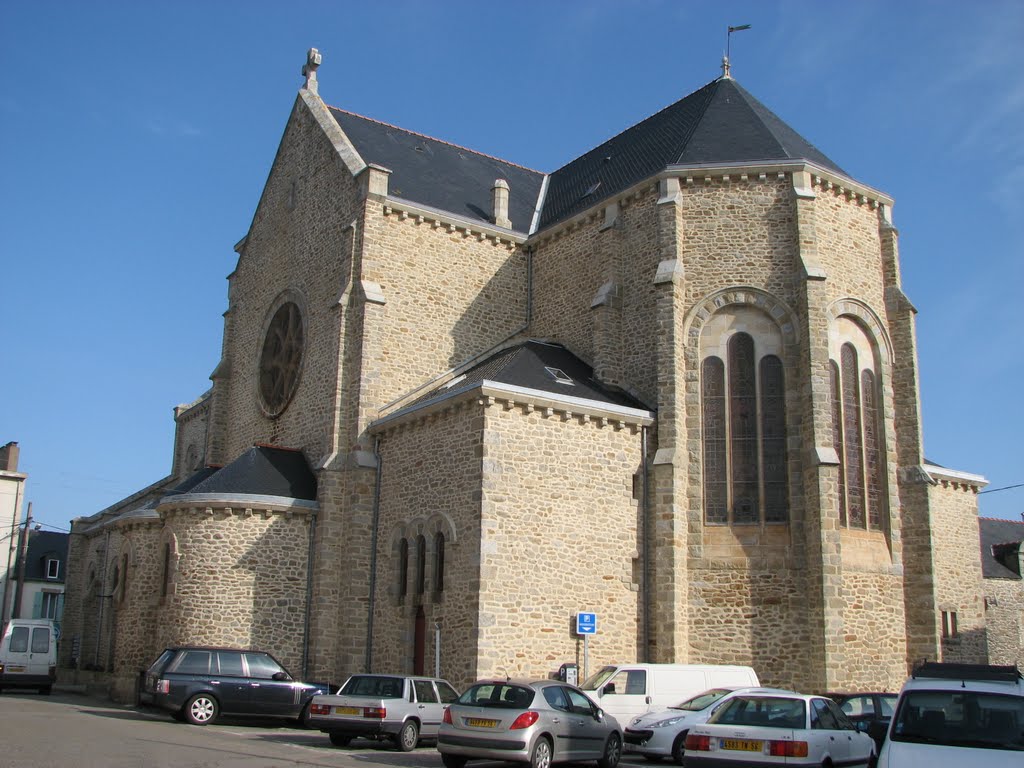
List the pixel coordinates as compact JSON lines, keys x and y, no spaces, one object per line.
{"x":586,"y":625}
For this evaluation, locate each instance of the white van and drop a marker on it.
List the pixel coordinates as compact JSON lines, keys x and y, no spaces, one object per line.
{"x":28,"y":655}
{"x":626,"y":691}
{"x":954,"y":715}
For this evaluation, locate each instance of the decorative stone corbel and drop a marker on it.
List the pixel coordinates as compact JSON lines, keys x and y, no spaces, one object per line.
{"x":669,"y":271}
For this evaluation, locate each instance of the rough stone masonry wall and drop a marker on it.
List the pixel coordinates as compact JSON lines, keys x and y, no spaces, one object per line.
{"x":239,"y":579}
{"x":431,"y":483}
{"x":873,"y":634}
{"x":190,"y":438}
{"x":559,"y":535}
{"x":449,"y":296}
{"x":135,"y":604}
{"x":957,"y":579}
{"x":294,"y":244}
{"x":570,"y":268}
{"x":1004,"y":619}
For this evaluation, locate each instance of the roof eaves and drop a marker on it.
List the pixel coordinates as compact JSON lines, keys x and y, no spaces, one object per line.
{"x":474,"y":226}
{"x":954,"y":476}
{"x":537,"y":397}
{"x":236,"y":501}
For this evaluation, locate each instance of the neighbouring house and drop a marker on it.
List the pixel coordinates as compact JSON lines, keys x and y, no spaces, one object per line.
{"x":12,"y":500}
{"x":1002,"y":561}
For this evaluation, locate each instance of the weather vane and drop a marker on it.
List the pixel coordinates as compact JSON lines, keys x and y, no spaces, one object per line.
{"x":728,"y":38}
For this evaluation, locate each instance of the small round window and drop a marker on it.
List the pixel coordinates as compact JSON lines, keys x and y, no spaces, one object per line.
{"x":281,"y":359}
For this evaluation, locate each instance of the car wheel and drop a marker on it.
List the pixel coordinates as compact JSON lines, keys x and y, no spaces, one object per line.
{"x":453,"y":761}
{"x":201,"y":709}
{"x":612,"y":752}
{"x":541,"y":755}
{"x":409,"y":736}
{"x":678,"y":749}
{"x":340,"y":739}
{"x":302,"y":721}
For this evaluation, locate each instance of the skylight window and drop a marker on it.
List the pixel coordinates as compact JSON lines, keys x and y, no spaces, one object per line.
{"x":592,"y":188}
{"x":560,"y":376}
{"x":455,"y":381}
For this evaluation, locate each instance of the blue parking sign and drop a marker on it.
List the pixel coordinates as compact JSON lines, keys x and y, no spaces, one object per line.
{"x":586,"y":623}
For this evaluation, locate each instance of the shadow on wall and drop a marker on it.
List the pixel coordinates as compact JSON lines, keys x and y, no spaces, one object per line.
{"x":495,"y":313}
{"x":274,"y":619}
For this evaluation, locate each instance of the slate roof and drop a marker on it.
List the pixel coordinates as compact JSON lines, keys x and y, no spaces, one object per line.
{"x":999,"y":537}
{"x":526,"y":366}
{"x":718,"y":124}
{"x":262,"y":471}
{"x":442,"y":175}
{"x":43,"y":546}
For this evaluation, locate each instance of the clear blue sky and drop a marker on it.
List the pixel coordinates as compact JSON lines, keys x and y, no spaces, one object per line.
{"x":135,"y":138}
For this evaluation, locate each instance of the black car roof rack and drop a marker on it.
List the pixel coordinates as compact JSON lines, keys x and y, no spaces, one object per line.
{"x":954,"y":671}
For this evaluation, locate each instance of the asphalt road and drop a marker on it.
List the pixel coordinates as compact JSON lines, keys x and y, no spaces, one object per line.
{"x":68,"y":730}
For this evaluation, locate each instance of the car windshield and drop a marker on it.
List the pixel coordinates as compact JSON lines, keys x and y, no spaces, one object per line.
{"x":701,"y":700}
{"x":379,"y":687}
{"x":961,"y":719}
{"x":498,"y":695}
{"x":598,"y":679}
{"x":765,"y":711}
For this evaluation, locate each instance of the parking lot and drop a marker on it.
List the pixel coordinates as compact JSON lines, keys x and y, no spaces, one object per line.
{"x":71,"y":729}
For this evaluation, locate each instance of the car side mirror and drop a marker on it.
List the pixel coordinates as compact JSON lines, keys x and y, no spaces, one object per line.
{"x":281,"y":676}
{"x":610,"y":688}
{"x":599,"y":715}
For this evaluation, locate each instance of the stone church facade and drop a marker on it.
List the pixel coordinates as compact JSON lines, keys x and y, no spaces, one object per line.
{"x":673,"y":383}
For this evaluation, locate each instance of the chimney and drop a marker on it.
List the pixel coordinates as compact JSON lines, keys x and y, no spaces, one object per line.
{"x":499,"y":199}
{"x":9,"y":457}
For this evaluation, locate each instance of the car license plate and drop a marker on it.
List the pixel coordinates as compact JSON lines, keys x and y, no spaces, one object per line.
{"x":348,"y":711}
{"x":741,"y":745}
{"x":15,"y":669}
{"x":476,"y":722}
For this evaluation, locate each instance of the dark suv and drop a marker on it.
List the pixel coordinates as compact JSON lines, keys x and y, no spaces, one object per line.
{"x":199,"y":684}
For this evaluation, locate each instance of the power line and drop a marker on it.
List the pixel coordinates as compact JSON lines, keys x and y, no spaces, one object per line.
{"x":1004,"y":488}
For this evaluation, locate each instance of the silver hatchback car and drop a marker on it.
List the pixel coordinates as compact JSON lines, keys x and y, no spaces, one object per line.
{"x":539,"y":722}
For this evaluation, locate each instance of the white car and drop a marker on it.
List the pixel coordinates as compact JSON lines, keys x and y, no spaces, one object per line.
{"x":952,"y":715}
{"x":661,"y":734}
{"x":778,"y":728}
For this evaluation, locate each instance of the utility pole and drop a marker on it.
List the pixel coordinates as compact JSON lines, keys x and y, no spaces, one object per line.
{"x":22,"y":557}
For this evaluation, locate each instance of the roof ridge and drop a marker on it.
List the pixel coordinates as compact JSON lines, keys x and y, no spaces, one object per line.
{"x":634,"y":125}
{"x":747,"y":96}
{"x":1001,"y":520}
{"x":434,"y":138}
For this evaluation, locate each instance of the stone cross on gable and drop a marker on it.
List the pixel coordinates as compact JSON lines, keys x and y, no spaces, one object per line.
{"x":313,"y":59}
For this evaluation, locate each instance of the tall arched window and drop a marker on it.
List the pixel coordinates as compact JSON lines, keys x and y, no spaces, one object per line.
{"x":856,"y":430}
{"x":439,"y":562}
{"x":744,"y":434}
{"x":421,"y":564}
{"x":403,"y":567}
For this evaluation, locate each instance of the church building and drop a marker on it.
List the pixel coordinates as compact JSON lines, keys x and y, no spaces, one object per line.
{"x":673,"y":384}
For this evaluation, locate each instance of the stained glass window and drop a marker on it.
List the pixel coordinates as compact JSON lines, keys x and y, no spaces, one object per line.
{"x":773,"y":440}
{"x":421,"y":564}
{"x":872,"y":451}
{"x":855,"y":501}
{"x":743,"y":430}
{"x":716,"y":483}
{"x":837,"y":436}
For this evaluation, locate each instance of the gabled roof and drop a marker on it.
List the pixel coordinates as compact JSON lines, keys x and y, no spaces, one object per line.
{"x":1000,"y":546}
{"x":442,"y":175}
{"x":538,"y":366}
{"x":719,"y":124}
{"x":261,"y":471}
